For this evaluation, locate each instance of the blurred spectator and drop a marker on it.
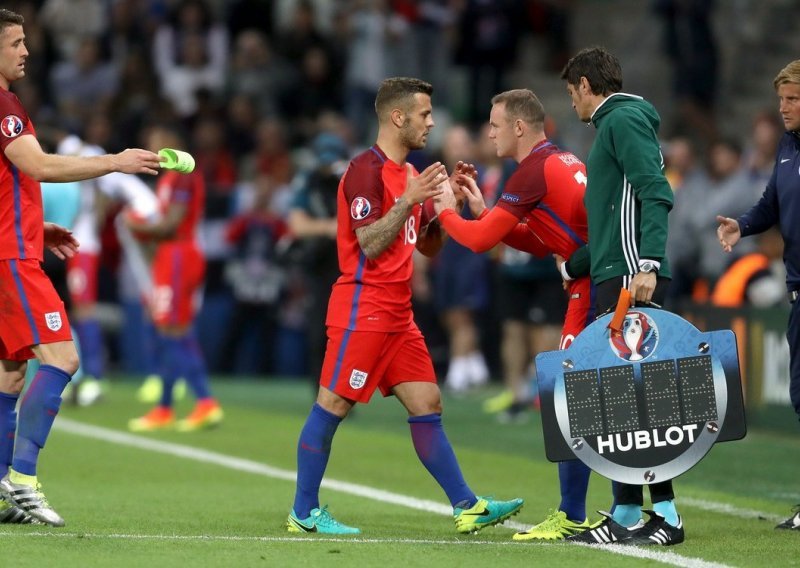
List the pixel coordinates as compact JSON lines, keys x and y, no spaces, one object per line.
{"x":461,"y":285}
{"x":426,"y":45}
{"x":69,"y":22}
{"x":137,"y":103}
{"x":367,"y":23}
{"x":190,"y":53}
{"x":531,"y":304}
{"x":182,"y":83}
{"x":85,"y":84}
{"x":257,"y":282}
{"x":759,"y":157}
{"x":271,"y":155}
{"x":757,"y":279}
{"x":257,"y":72}
{"x":489,"y":32}
{"x":41,"y":51}
{"x":552,"y":18}
{"x":217,"y":164}
{"x":312,"y":222}
{"x":690,"y":43}
{"x":316,"y":89}
{"x":131,"y":29}
{"x":242,"y":15}
{"x":730,"y":191}
{"x":300,"y":34}
{"x":241,"y":115}
{"x":689,"y":183}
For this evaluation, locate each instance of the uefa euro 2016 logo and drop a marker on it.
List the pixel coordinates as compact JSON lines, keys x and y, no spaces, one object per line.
{"x":638,"y":338}
{"x":359,"y":208}
{"x":11,"y":126}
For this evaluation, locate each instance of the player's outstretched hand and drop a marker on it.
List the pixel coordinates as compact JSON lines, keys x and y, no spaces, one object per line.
{"x":60,"y":241}
{"x":470,"y":190}
{"x":426,"y":184}
{"x":728,"y":232}
{"x":137,"y":161}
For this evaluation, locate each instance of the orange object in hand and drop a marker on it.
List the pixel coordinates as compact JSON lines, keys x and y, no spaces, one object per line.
{"x":623,"y":303}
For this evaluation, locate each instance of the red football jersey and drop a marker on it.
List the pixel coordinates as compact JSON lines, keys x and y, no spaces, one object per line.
{"x":546,"y":191}
{"x":372,"y":295}
{"x":21,"y":213}
{"x":188,"y":189}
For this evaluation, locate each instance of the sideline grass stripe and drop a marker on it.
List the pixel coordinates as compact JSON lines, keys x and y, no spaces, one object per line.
{"x":726,"y":509}
{"x":249,"y":466}
{"x":318,"y":538}
{"x":648,"y":554}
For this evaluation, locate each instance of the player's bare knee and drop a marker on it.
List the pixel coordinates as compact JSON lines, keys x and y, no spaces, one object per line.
{"x":334,"y":403}
{"x":12,"y":382}
{"x":424,"y":407}
{"x":62,"y":355}
{"x":68,"y":363}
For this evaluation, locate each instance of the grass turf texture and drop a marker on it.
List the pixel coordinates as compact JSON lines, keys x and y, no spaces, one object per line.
{"x":127,"y":506}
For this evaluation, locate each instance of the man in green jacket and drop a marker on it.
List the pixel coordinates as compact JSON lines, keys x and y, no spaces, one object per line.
{"x":627,"y":202}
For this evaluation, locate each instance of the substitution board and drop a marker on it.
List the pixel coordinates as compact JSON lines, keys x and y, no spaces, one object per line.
{"x":643,"y":404}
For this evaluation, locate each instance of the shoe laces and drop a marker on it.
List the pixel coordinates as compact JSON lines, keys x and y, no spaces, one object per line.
{"x":200,"y":411}
{"x":36,"y":491}
{"x":40,"y":494}
{"x":157,"y":414}
{"x":552,"y":521}
{"x":197,"y":414}
{"x":325,"y":518}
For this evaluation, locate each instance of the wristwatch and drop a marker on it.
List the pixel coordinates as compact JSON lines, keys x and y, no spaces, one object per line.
{"x":648,"y":266}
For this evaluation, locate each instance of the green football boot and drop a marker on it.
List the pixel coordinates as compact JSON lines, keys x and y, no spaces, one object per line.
{"x":555,"y":527}
{"x":484,"y":513}
{"x":318,"y":521}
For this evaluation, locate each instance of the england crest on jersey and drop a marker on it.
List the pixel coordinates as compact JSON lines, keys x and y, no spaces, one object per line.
{"x":11,"y":126}
{"x":53,"y":320}
{"x":357,"y":379}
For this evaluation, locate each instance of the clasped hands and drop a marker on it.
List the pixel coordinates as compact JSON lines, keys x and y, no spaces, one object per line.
{"x":446,"y":192}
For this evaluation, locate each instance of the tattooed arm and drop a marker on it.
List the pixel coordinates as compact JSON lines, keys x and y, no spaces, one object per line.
{"x":378,"y":236}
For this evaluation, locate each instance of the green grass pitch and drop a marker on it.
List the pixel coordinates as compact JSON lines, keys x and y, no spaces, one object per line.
{"x":220,"y":498}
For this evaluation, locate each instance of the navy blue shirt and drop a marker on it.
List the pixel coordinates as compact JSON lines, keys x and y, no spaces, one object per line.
{"x":780,"y":204}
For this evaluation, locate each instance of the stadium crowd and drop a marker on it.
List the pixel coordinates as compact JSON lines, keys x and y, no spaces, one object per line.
{"x":274,"y":97}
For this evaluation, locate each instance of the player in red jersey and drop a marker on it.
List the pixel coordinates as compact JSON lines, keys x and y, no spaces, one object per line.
{"x":32,"y":318}
{"x":383,"y":214}
{"x":178,"y":269}
{"x":541,"y":211}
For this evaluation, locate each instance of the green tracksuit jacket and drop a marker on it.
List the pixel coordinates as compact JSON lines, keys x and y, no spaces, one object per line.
{"x":627,"y":196}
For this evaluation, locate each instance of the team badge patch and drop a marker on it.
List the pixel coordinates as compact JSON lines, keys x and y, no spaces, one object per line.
{"x":11,"y":126}
{"x":360,"y":208}
{"x":357,"y":379}
{"x":53,"y":320}
{"x":510,"y":198}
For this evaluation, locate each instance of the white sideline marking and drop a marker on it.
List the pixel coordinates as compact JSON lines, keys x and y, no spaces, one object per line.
{"x":726,"y":509}
{"x":240,"y":464}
